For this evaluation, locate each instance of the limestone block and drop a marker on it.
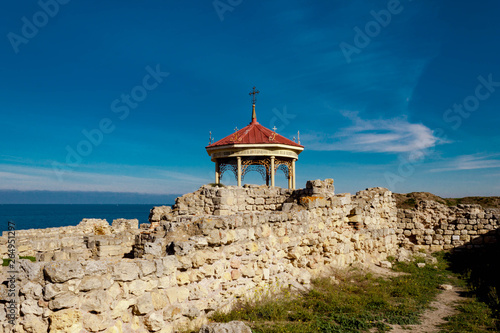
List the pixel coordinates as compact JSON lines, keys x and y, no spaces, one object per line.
{"x":156,"y":249}
{"x":96,"y":322}
{"x":115,"y":290}
{"x":167,"y":328}
{"x":125,"y":271}
{"x":147,"y":267}
{"x":94,"y":282}
{"x":182,"y":278}
{"x":97,"y":301}
{"x":170,"y":263}
{"x":260,"y":201}
{"x":96,"y":267}
{"x":64,"y":301}
{"x":51,"y":290}
{"x":124,"y":225}
{"x":63,"y":271}
{"x":138,"y":287}
{"x":171,"y":312}
{"x":166,"y":282}
{"x":65,"y":321}
{"x":94,"y":226}
{"x":235,"y":274}
{"x":199,"y":258}
{"x":32,"y":289}
{"x":214,"y":237}
{"x":233,"y":327}
{"x":31,"y":270}
{"x":30,"y":306}
{"x":154,"y":321}
{"x":120,"y":307}
{"x":33,"y":324}
{"x":207,"y":270}
{"x":144,"y":304}
{"x":177,"y":294}
{"x":265,"y":273}
{"x":159,"y":300}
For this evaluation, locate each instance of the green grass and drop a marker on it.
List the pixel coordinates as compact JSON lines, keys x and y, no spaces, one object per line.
{"x":6,"y":262}
{"x":479,"y":271}
{"x":359,"y":302}
{"x":216,"y":185}
{"x":473,"y":317}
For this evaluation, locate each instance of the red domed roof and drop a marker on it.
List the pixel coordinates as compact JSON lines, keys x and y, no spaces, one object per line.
{"x":254,"y":133}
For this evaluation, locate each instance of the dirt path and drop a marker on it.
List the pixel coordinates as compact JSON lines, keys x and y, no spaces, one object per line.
{"x":440,"y":308}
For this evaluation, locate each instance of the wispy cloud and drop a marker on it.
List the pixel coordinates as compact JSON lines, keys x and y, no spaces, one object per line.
{"x":150,"y":180}
{"x":471,"y":162}
{"x":395,"y":135}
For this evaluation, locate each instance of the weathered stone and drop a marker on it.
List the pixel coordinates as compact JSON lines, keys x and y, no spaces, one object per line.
{"x":147,"y":267}
{"x":32,"y":289}
{"x":385,"y":264}
{"x":51,"y":290}
{"x":199,"y":259}
{"x":65,"y":321}
{"x":231,"y":327}
{"x":96,"y":267}
{"x":155,"y":249}
{"x":95,"y":226}
{"x":64,"y":301}
{"x":33,"y":324}
{"x":177,"y":294}
{"x":446,"y":287}
{"x":96,"y":301}
{"x":30,"y":306}
{"x":154,"y":321}
{"x":124,"y":225}
{"x":160,"y":213}
{"x":125,"y":271}
{"x":121,"y":306}
{"x":159,"y":300}
{"x":32,"y":270}
{"x":144,"y":304}
{"x":182,"y":278}
{"x":92,"y":283}
{"x":96,"y":322}
{"x":63,"y":271}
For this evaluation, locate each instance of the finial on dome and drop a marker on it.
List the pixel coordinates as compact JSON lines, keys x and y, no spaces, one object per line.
{"x":253,"y":93}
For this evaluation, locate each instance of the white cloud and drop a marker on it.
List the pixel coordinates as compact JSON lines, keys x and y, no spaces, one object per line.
{"x":395,"y":135}
{"x":150,"y":180}
{"x":471,"y":162}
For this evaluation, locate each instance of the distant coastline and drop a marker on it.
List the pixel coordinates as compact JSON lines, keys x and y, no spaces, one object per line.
{"x":83,"y":197}
{"x":40,"y":216}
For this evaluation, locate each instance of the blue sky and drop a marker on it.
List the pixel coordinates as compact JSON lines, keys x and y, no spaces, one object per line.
{"x":119,"y":96}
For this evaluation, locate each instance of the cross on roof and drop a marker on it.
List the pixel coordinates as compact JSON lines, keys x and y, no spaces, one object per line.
{"x":274,"y":128}
{"x":254,"y":92}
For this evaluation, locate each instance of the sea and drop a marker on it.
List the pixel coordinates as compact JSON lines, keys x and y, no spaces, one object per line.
{"x":38,"y":216}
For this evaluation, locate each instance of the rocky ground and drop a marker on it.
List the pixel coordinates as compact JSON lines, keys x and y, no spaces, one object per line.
{"x":409,"y":200}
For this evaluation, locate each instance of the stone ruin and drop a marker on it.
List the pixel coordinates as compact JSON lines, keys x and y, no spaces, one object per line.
{"x":215,"y":246}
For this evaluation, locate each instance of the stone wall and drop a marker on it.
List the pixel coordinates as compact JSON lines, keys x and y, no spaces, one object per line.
{"x":91,"y":238}
{"x":434,"y":226}
{"x":193,"y":264}
{"x":215,"y":246}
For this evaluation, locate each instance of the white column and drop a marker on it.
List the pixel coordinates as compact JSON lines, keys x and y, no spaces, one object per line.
{"x":293,"y":174}
{"x":239,"y":170}
{"x":217,"y":172}
{"x":272,"y":171}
